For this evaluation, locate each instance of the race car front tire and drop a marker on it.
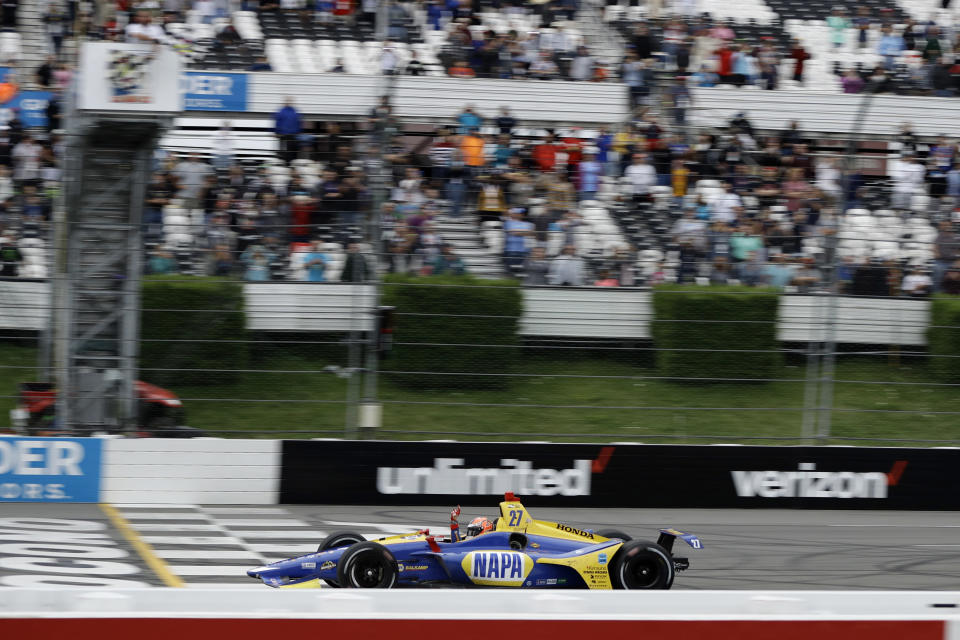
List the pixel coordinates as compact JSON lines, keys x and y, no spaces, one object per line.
{"x":641,"y":564}
{"x":339,"y":539}
{"x":367,"y":565}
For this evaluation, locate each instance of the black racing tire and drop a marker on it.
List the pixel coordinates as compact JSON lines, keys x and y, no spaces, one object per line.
{"x":641,"y":564}
{"x":367,"y":565}
{"x":613,"y":533}
{"x":339,"y":539}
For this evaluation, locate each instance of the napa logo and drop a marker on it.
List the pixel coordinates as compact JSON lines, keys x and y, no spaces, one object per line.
{"x":500,"y":568}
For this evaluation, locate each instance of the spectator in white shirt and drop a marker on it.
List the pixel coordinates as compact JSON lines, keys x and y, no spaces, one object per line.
{"x":223,"y":147}
{"x":388,"y":60}
{"x":908,"y":175}
{"x":916,"y":283}
{"x":142,"y":30}
{"x":567,"y":268}
{"x":582,"y":66}
{"x":726,"y":206}
{"x":26,"y":160}
{"x":642,"y":176}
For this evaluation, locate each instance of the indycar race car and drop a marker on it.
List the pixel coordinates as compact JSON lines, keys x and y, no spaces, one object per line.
{"x":513,"y":551}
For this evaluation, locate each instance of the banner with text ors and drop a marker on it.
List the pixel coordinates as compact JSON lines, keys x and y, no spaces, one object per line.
{"x":204,"y":91}
{"x":50,"y":469}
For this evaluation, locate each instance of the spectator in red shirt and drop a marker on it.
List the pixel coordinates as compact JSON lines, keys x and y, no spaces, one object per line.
{"x":724,"y":63}
{"x":573,"y":146}
{"x":462,"y":70}
{"x":799,"y":56}
{"x":545,"y":153}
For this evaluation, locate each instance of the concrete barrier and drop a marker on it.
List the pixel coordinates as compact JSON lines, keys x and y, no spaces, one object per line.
{"x":744,"y":615}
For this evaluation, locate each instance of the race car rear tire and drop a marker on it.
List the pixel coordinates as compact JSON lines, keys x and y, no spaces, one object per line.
{"x":367,"y":565}
{"x":641,"y":564}
{"x":613,"y":533}
{"x":339,"y":539}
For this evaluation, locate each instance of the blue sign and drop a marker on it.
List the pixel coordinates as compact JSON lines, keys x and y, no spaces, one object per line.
{"x":32,"y":105}
{"x":214,"y":91}
{"x":50,"y":469}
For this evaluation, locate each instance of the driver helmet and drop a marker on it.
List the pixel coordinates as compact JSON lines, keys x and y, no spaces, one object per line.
{"x":479,"y":526}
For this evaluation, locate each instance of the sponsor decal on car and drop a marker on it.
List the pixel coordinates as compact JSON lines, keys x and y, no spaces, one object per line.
{"x":501,"y":568}
{"x":308,"y":565}
{"x":807,"y":482}
{"x":602,"y":558}
{"x":412,"y":567}
{"x":577,"y":532}
{"x":327,"y":565}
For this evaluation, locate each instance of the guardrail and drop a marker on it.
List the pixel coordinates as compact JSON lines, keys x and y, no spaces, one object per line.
{"x":558,"y":615}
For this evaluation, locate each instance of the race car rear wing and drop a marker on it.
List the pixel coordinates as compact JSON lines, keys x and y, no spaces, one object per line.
{"x":667,"y":536}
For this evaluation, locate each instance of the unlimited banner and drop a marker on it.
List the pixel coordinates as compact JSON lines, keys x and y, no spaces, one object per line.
{"x":439,"y":473}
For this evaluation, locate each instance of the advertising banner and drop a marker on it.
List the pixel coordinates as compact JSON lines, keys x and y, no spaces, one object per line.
{"x":439,"y":473}
{"x":50,"y":469}
{"x":204,"y":91}
{"x":129,"y":77}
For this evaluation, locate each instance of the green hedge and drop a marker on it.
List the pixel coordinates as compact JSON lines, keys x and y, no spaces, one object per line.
{"x":943,"y":338}
{"x":436,"y":314}
{"x":206,"y":311}
{"x":695,"y":328}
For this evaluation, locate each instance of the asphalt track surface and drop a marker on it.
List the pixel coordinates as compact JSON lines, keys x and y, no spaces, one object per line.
{"x":210,"y":546}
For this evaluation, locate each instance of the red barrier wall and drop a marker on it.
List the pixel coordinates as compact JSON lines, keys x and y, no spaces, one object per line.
{"x":258,"y":629}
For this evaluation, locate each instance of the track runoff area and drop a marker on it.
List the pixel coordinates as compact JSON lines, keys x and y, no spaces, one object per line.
{"x":197,"y":546}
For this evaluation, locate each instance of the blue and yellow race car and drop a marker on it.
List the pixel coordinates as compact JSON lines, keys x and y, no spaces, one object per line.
{"x":513,"y":551}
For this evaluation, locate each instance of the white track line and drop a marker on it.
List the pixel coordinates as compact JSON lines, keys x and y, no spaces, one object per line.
{"x":192,"y":540}
{"x":265,"y":522}
{"x":299,"y":536}
{"x":186,"y":570}
{"x":207,"y":554}
{"x":243,"y":511}
{"x":285,"y":548}
{"x":134,"y":516}
{"x":147,"y":526}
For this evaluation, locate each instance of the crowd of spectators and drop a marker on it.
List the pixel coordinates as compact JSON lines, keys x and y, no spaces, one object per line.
{"x":768,"y":220}
{"x":776,"y":210}
{"x":30,"y":166}
{"x":703,"y":50}
{"x":916,"y":58}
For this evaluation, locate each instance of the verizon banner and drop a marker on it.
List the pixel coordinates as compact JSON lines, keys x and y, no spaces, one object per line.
{"x":440,"y":473}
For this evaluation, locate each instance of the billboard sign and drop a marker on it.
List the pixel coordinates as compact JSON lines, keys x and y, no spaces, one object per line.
{"x":129,"y":77}
{"x":204,"y":91}
{"x":50,"y":469}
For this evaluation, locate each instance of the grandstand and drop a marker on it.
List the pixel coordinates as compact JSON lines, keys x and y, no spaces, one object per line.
{"x":611,"y":224}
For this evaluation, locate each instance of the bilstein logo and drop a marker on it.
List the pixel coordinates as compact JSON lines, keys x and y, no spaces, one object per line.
{"x":807,"y":482}
{"x":449,"y":476}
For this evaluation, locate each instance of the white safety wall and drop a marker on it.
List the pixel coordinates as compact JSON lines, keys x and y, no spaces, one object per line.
{"x":565,"y":311}
{"x":439,"y":99}
{"x":827,"y":112}
{"x":594,"y":313}
{"x":190,"y":471}
{"x":24,"y":304}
